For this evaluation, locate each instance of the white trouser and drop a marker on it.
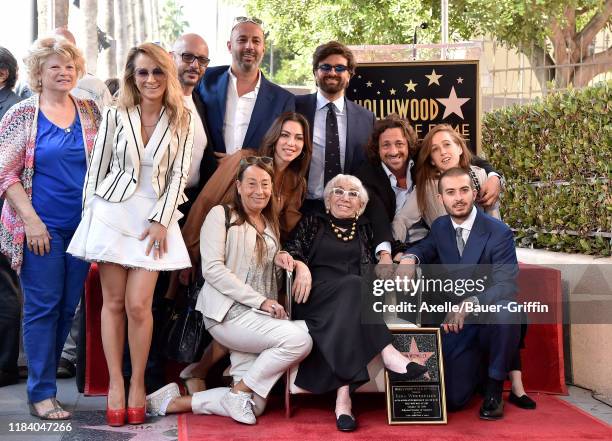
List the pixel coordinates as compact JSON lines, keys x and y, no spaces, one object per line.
{"x":262,"y":348}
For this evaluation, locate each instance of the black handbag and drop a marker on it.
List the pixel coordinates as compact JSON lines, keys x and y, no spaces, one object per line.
{"x":186,"y":336}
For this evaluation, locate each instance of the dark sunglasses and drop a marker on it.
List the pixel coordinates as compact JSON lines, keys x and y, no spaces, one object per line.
{"x":339,"y":68}
{"x":144,"y":73}
{"x":250,"y":160}
{"x":188,"y":58}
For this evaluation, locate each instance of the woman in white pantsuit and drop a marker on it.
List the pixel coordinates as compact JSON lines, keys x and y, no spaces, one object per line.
{"x":239,"y":245}
{"x":134,"y":184}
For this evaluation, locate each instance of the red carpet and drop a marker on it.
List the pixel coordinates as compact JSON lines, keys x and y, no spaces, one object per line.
{"x":313,"y":420}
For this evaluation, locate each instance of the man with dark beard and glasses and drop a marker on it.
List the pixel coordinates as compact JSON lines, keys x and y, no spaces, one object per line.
{"x":340,"y":128}
{"x":190,"y":54}
{"x":240,"y":102}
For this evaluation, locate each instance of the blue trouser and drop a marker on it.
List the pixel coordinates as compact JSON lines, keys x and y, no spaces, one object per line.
{"x":52,"y":286}
{"x":498,"y":337}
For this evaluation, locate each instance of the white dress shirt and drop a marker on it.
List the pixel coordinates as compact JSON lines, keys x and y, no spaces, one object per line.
{"x":317,"y":163}
{"x":466,"y":225}
{"x":401,"y":195}
{"x":238,"y":111}
{"x":199,"y":143}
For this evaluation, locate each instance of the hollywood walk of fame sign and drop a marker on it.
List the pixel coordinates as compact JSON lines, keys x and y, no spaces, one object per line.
{"x":419,"y":400}
{"x":425,"y":93}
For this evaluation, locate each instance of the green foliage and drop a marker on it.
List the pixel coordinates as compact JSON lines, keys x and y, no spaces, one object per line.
{"x":516,"y":22}
{"x":172,"y":22}
{"x":556,"y":155}
{"x":299,"y":27}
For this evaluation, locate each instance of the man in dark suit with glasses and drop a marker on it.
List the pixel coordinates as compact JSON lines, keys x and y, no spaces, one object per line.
{"x":340,"y":128}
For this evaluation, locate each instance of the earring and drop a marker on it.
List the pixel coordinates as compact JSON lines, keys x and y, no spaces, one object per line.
{"x":39,"y":83}
{"x":327,"y":211}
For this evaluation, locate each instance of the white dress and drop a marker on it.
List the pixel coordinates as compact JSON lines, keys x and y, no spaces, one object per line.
{"x":110,"y":231}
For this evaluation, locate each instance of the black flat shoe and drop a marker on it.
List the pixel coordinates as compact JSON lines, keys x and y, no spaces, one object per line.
{"x":524,"y":402}
{"x":346,"y":423}
{"x":413,"y":371}
{"x":492,"y":409}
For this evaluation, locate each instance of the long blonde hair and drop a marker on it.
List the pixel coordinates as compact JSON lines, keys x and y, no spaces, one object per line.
{"x":129,"y":95}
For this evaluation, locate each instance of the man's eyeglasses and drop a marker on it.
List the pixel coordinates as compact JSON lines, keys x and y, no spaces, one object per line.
{"x":144,"y":73}
{"x":188,"y":58}
{"x":243,"y":19}
{"x":340,"y":192}
{"x":339,"y":68}
{"x":250,"y":160}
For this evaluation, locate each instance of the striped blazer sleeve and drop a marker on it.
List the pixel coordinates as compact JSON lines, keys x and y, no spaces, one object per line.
{"x":167,"y":204}
{"x":101,"y":154}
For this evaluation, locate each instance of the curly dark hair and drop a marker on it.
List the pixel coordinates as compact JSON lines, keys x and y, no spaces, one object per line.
{"x":392,"y":121}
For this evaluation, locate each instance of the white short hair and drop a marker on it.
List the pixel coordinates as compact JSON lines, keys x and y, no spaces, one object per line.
{"x":351,"y":180}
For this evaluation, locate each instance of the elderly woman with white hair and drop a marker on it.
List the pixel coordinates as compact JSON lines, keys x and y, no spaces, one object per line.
{"x":330,"y":249}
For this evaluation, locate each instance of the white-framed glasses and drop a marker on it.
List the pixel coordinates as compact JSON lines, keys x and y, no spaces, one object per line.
{"x":340,"y":192}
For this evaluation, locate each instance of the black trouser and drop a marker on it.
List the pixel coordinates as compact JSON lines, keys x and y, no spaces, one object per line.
{"x":10,"y":316}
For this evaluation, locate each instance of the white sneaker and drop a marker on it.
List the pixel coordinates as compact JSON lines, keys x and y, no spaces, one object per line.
{"x":239,"y":406}
{"x":158,"y":401}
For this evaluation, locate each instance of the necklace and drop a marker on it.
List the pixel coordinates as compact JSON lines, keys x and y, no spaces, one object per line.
{"x":280,"y":188}
{"x":344,"y":235}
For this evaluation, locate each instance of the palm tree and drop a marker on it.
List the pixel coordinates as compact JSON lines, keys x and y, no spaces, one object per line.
{"x":90,"y":14}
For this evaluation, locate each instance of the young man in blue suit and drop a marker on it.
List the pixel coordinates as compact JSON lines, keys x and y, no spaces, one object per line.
{"x":480,"y":245}
{"x":240,"y":102}
{"x":340,"y":128}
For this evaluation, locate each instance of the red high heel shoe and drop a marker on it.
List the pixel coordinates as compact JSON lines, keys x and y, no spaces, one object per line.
{"x":115,"y":417}
{"x":136,"y":415}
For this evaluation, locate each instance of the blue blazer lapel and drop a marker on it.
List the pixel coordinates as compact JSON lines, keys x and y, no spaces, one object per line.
{"x":449,"y":254}
{"x":351,"y":123}
{"x":476,"y":242}
{"x":263,"y":104}
{"x":221,"y":94}
{"x":310,"y":112}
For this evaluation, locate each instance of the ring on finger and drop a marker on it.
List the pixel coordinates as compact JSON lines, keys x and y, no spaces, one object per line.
{"x":156,"y":244}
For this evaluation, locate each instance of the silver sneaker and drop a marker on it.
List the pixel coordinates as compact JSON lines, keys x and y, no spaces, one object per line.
{"x":239,"y":406}
{"x":158,"y":401}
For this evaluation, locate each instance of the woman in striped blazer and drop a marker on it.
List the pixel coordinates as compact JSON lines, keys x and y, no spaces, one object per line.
{"x":134,"y":184}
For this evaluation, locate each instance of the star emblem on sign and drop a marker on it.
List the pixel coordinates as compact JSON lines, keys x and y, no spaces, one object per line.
{"x":417,"y":356}
{"x":410,"y":86}
{"x":452,"y":104}
{"x":433,"y":78}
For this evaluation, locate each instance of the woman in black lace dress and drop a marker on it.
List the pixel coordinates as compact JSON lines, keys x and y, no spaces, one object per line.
{"x":329,"y":250}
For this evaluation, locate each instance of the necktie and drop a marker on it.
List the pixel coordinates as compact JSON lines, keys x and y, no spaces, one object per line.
{"x":332,"y":145}
{"x":460,"y":241}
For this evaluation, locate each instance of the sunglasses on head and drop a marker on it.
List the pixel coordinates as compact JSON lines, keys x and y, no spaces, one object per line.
{"x":243,"y":19}
{"x":250,"y":160}
{"x":144,"y":73}
{"x":339,"y":68}
{"x":189,"y":57}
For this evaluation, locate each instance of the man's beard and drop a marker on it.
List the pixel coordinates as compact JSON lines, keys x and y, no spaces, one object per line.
{"x":452,"y":211}
{"x":332,"y":88}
